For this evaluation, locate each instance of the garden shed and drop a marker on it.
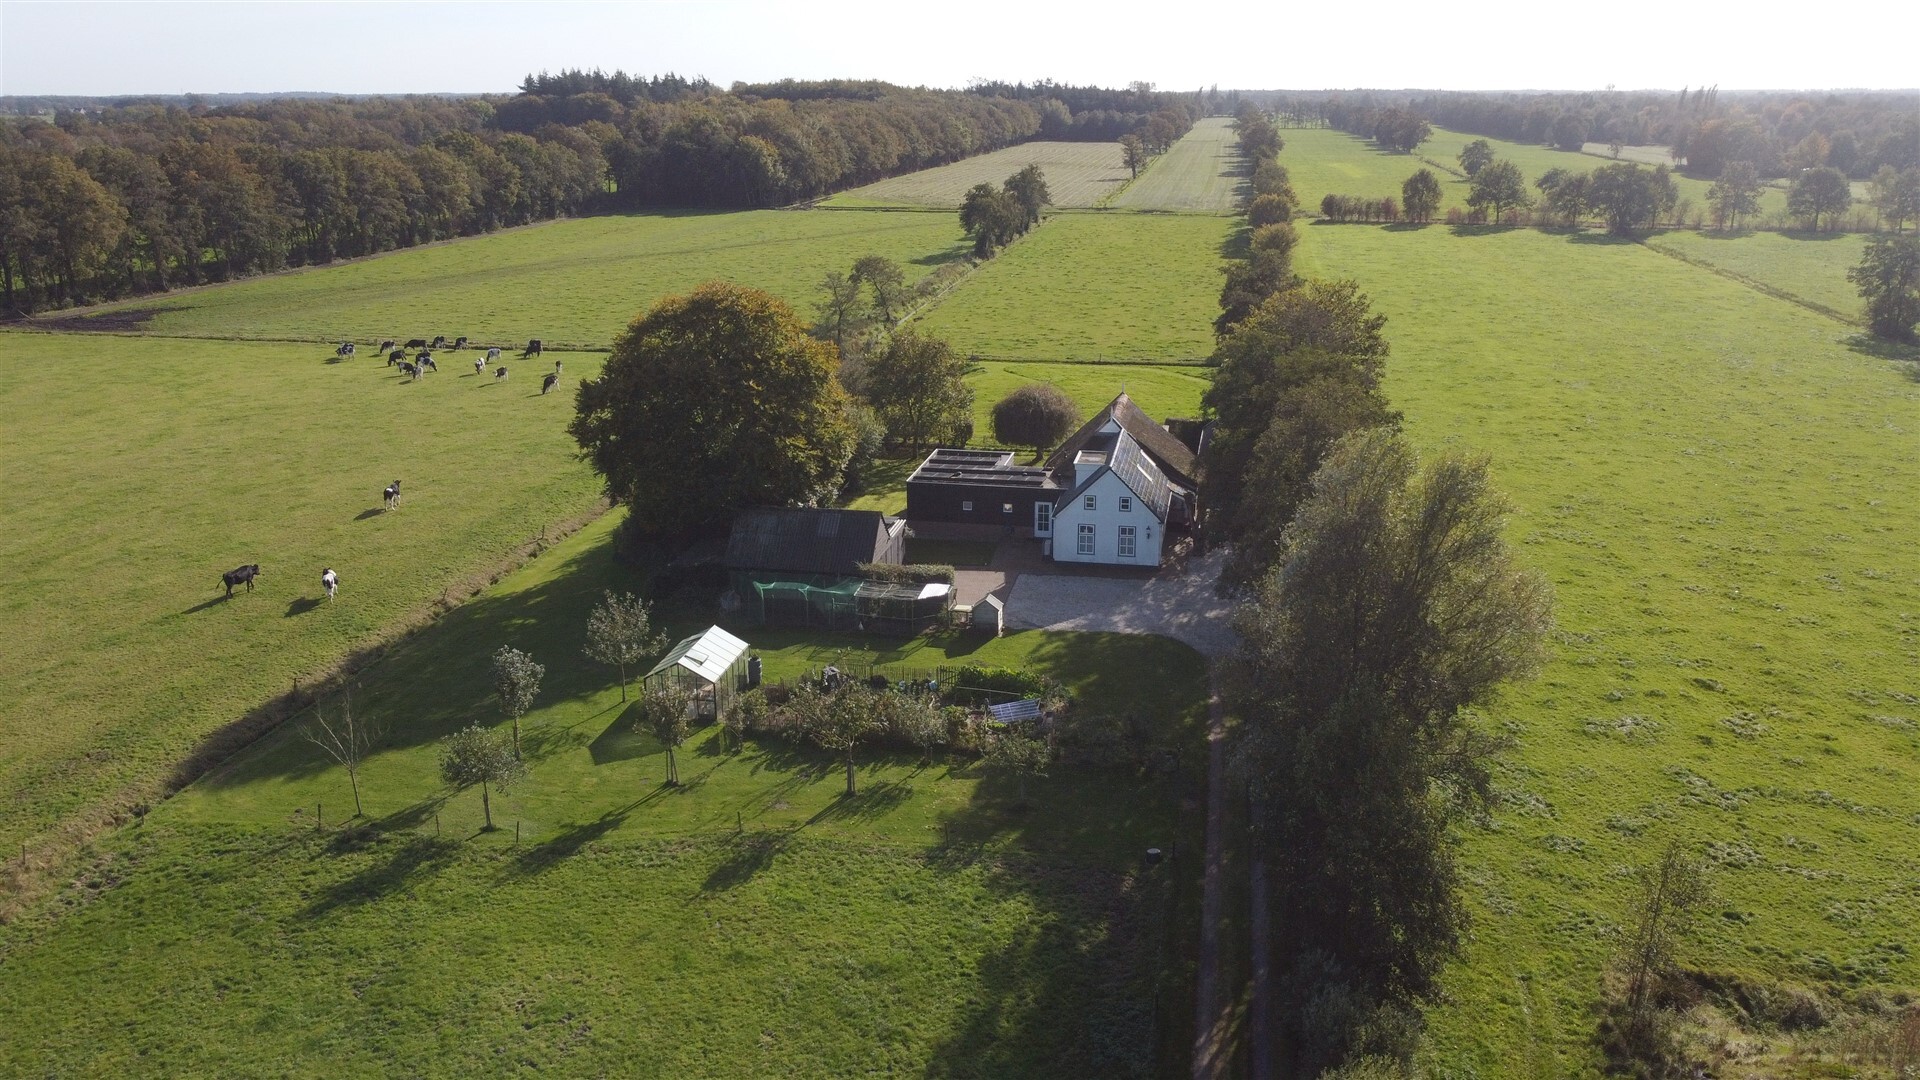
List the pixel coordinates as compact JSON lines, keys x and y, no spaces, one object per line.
{"x":711,"y":664}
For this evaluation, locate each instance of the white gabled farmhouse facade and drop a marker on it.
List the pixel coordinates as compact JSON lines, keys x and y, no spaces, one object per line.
{"x":1116,"y":508}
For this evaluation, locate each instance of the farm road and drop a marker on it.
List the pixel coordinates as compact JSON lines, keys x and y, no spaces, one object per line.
{"x":1180,"y":605}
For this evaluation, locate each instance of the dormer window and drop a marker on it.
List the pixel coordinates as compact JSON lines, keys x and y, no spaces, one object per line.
{"x":1091,"y":502}
{"x":1126,"y":505}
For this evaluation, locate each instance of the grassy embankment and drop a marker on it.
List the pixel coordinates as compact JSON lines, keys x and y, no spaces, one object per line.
{"x":1719,"y":488}
{"x":932,"y":923}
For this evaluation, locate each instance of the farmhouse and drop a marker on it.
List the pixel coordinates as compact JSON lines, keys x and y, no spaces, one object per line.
{"x":1107,"y":495}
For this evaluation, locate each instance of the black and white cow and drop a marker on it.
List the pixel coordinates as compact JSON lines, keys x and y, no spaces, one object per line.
{"x":392,"y":494}
{"x":548,"y":383}
{"x":396,"y":356}
{"x":240,"y":575}
{"x":329,"y":581}
{"x":439,"y":341}
{"x":493,"y":354}
{"x":460,"y":342}
{"x":345,"y":349}
{"x":479,"y":365}
{"x":425,"y":360}
{"x":500,"y":373}
{"x":387,"y":345}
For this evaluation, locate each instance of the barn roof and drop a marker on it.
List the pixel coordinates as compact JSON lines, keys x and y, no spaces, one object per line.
{"x":1167,"y":452}
{"x":707,"y":654}
{"x":807,"y":541}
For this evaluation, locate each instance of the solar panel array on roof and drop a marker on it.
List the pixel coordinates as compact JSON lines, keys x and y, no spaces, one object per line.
{"x":979,"y":467}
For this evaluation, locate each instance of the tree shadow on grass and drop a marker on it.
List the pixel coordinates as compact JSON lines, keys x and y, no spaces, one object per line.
{"x":1602,"y":239}
{"x":868,"y":804}
{"x":1882,"y":349}
{"x":751,"y":854}
{"x":406,"y":860}
{"x":619,"y":741}
{"x":1483,"y":230}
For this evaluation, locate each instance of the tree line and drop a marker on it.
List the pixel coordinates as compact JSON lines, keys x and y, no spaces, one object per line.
{"x":1378,"y":602}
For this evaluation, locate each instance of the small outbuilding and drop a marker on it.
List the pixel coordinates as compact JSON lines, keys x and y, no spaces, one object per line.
{"x":712,"y":665}
{"x":989,"y":615}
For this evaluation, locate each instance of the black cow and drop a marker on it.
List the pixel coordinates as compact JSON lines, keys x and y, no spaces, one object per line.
{"x":417,"y":343}
{"x":500,"y":373}
{"x":548,"y":383}
{"x":241,"y":575}
{"x":392,"y":494}
{"x":460,"y":342}
{"x":396,"y":356}
{"x":533,"y":348}
{"x":387,"y":344}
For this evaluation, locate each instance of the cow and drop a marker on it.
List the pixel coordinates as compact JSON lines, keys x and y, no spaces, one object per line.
{"x":329,"y":581}
{"x":411,"y":371}
{"x":460,"y":342}
{"x":386,"y":345}
{"x":240,"y":575}
{"x":396,"y":356}
{"x":548,"y":383}
{"x":500,"y":373}
{"x":425,"y":360}
{"x":345,"y":349}
{"x":417,"y":343}
{"x":533,"y":348}
{"x":392,"y":494}
{"x":479,"y":365}
{"x":439,"y":341}
{"x":556,"y":367}
{"x":493,"y":354}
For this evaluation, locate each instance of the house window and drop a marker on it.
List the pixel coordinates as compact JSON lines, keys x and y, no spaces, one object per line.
{"x":967,"y":505}
{"x":1086,"y":540}
{"x":1006,"y":508}
{"x":1042,"y":518}
{"x":1126,"y":505}
{"x":1091,"y":502}
{"x":1126,"y":542}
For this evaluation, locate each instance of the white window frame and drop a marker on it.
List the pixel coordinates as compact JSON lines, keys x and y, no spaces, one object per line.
{"x":1091,"y":502}
{"x":1084,"y":545}
{"x":1042,"y":518}
{"x":1006,"y":508}
{"x":966,"y":506}
{"x":1129,"y":542}
{"x":1126,"y":505}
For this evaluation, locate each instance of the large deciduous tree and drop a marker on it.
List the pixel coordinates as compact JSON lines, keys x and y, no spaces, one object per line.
{"x":712,"y":401}
{"x":1038,"y":415}
{"x":1029,"y":189}
{"x":1820,"y":193}
{"x":886,"y":283}
{"x":1735,"y":195}
{"x":1630,"y":197}
{"x":1888,"y":277}
{"x":1476,"y":155}
{"x":992,"y":217}
{"x":1398,"y":605}
{"x":1420,"y":196}
{"x":1498,"y":187}
{"x":1133,"y":154}
{"x":1895,"y":194}
{"x":918,"y":387}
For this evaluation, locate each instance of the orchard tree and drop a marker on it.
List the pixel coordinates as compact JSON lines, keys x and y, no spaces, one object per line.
{"x":1020,"y":756}
{"x":620,"y":632}
{"x":1477,"y":155}
{"x":838,"y":720}
{"x":1889,"y":278}
{"x":516,"y":682}
{"x":1735,"y":195}
{"x":1499,"y":187}
{"x":713,"y":401}
{"x":1397,"y":607}
{"x":478,"y":756}
{"x":918,"y":387}
{"x":1819,"y":193}
{"x":663,"y":714}
{"x":345,"y":736}
{"x":1038,"y":415}
{"x":1420,"y":195}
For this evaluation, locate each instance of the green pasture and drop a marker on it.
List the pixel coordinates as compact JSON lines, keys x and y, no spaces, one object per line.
{"x":1107,"y":286}
{"x":142,"y":469}
{"x":1079,"y":174}
{"x":569,"y":283}
{"x":1810,"y":266}
{"x":1201,"y":172}
{"x":753,"y":921}
{"x":1720,"y":488}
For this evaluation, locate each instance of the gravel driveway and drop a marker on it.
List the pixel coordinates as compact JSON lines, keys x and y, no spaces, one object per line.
{"x":1181,"y":606}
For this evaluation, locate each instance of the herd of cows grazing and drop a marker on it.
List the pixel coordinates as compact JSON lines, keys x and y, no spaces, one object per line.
{"x":421,"y":362}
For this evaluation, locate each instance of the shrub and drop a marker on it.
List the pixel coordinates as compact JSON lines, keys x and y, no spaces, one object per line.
{"x":908,"y":574}
{"x":1269,"y":210}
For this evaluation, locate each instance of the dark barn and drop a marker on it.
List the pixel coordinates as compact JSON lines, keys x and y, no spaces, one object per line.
{"x":979,"y":487}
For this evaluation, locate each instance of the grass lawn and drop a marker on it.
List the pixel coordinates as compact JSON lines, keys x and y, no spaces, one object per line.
{"x":933,"y":923}
{"x":569,"y":283}
{"x":950,"y":552}
{"x":1201,"y":172}
{"x":144,"y":468}
{"x":1110,"y":287}
{"x":1811,"y":266}
{"x":1079,"y":174}
{"x":1162,"y":390}
{"x":1721,"y":491}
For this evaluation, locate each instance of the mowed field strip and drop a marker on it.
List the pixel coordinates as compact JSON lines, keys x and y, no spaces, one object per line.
{"x":1720,"y":490}
{"x":1200,"y":173}
{"x":569,"y":283}
{"x":1103,"y":286}
{"x":1079,"y":174}
{"x":148,"y":467}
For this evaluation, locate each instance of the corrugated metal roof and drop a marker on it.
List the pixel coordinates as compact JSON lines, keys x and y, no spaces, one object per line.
{"x":707,"y":654}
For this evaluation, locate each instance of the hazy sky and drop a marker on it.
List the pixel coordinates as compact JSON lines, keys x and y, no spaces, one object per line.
{"x":387,"y":47}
